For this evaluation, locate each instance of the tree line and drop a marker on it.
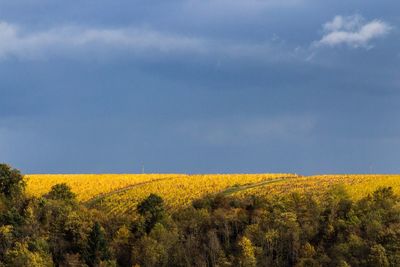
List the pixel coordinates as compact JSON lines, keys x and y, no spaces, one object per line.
{"x":216,"y":230}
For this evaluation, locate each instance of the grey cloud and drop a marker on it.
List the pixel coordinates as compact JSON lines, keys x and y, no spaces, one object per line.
{"x":249,"y":130}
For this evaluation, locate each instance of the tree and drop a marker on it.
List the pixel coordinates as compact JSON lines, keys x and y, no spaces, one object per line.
{"x":343,"y":263}
{"x":148,"y":252}
{"x":61,"y":192}
{"x":377,"y":257}
{"x":12,"y":183}
{"x":152,"y":209}
{"x":97,"y":249}
{"x":21,"y":256}
{"x":122,"y":247}
{"x":247,"y":256}
{"x":6,"y":238}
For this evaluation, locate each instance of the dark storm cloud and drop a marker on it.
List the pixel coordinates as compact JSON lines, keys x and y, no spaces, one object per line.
{"x":200,"y":86}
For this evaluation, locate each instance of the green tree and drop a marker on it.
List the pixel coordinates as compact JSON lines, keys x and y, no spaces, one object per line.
{"x":122,"y":246}
{"x":12,"y":183}
{"x":97,"y":249}
{"x":21,"y":256}
{"x":148,"y":252}
{"x":61,"y":192}
{"x":152,"y":209}
{"x":343,"y":263}
{"x":6,"y":238}
{"x":377,"y":257}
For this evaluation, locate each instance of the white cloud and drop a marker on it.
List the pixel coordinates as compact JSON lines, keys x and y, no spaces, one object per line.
{"x":353,"y":31}
{"x":82,"y":41}
{"x":15,"y":42}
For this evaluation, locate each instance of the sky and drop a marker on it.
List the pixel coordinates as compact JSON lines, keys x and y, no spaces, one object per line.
{"x":200,"y":86}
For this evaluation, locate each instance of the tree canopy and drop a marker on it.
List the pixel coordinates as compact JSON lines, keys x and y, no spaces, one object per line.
{"x":300,"y":230}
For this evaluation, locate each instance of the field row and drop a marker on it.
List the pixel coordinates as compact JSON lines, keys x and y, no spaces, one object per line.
{"x":356,"y":185}
{"x":180,"y":191}
{"x":87,"y":186}
{"x":120,"y":193}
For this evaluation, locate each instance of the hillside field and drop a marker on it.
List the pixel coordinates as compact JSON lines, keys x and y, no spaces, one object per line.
{"x":120,"y":193}
{"x":246,"y":220}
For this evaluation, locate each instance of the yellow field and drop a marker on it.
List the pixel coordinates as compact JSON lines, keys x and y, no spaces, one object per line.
{"x":356,"y":185}
{"x":180,"y":191}
{"x":120,"y":193}
{"x":87,"y":186}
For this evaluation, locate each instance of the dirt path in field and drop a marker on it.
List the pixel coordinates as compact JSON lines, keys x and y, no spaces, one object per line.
{"x":90,"y":202}
{"x":231,"y":190}
{"x":235,"y":189}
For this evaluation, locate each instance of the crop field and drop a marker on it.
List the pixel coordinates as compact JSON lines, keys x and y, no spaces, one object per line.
{"x":356,"y":185}
{"x":87,"y":186}
{"x":180,"y":191}
{"x":120,"y":193}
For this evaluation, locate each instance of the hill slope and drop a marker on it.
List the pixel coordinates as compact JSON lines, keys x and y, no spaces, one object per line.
{"x":120,"y":193}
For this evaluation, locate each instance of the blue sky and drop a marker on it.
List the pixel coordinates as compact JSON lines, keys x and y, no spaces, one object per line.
{"x":200,"y":86}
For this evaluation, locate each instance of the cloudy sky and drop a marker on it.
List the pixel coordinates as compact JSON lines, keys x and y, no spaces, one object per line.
{"x":200,"y":86}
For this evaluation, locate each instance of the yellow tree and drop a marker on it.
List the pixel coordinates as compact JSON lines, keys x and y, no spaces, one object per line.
{"x":247,"y":256}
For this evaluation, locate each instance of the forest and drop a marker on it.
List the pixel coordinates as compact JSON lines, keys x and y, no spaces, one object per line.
{"x":294,"y":229}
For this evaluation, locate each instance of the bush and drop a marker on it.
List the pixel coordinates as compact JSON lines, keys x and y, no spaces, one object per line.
{"x":61,"y":192}
{"x":12,"y":183}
